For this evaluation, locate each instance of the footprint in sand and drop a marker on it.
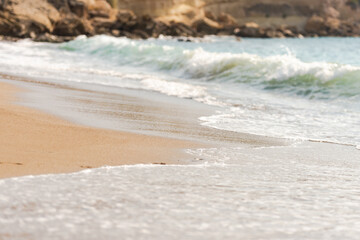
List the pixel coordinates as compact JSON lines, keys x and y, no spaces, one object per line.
{"x":11,"y":163}
{"x":86,"y":166}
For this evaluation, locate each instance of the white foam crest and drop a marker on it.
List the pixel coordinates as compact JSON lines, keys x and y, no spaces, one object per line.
{"x":280,"y":67}
{"x":289,"y":66}
{"x":99,"y":41}
{"x":182,"y":90}
{"x":110,"y":46}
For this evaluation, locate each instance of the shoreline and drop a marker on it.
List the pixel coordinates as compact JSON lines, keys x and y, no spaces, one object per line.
{"x":49,"y":38}
{"x":33,"y":142}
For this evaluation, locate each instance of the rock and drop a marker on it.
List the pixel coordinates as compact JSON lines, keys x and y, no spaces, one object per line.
{"x":270,"y":33}
{"x":98,"y":5}
{"x":36,"y":14}
{"x":210,"y":15}
{"x":15,"y":26}
{"x":206,"y":26}
{"x":225,"y":32}
{"x":276,"y":33}
{"x":3,"y":4}
{"x":252,"y":25}
{"x":172,"y":29}
{"x":72,"y":25}
{"x":332,"y":24}
{"x":102,"y":25}
{"x":279,"y":34}
{"x":183,"y":13}
{"x":9,"y":26}
{"x":78,"y":7}
{"x":160,"y":29}
{"x":329,"y":26}
{"x":115,"y":33}
{"x":129,"y":35}
{"x":288,"y":33}
{"x":237,"y":31}
{"x":146,"y":24}
{"x":141,"y":34}
{"x":32,"y":35}
{"x":228,"y":24}
{"x":323,"y":33}
{"x":183,"y":30}
{"x":10,"y":39}
{"x":102,"y":22}
{"x":60,"y":5}
{"x":125,"y":16}
{"x":125,"y":20}
{"x":293,"y":29}
{"x":355,"y":29}
{"x":187,"y":11}
{"x":330,"y":11}
{"x":182,"y":39}
{"x":101,"y":14}
{"x":47,"y":37}
{"x":251,"y":29}
{"x":315,"y":25}
{"x":59,"y":20}
{"x":99,"y":8}
{"x":226,"y":20}
{"x":348,"y":28}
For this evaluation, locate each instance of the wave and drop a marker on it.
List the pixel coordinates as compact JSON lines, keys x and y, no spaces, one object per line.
{"x":253,"y":93}
{"x":281,"y":73}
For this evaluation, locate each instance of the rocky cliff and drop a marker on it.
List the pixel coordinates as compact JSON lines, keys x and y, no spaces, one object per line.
{"x":266,"y":13}
{"x":62,"y":20}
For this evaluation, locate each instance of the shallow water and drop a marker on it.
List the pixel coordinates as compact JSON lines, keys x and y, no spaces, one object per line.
{"x":296,"y":195}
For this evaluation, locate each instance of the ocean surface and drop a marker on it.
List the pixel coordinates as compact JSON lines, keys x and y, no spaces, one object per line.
{"x":288,"y":88}
{"x":305,"y":91}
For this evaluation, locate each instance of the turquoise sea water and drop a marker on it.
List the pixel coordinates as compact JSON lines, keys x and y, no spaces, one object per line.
{"x":298,"y":89}
{"x":288,"y":88}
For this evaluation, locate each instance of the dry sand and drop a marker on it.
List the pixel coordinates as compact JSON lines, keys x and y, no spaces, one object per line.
{"x":32,"y":142}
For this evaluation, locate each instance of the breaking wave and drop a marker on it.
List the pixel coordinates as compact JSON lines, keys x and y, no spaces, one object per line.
{"x":281,"y":73}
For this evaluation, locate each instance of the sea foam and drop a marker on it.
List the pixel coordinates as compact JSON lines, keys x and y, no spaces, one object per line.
{"x":230,"y":196}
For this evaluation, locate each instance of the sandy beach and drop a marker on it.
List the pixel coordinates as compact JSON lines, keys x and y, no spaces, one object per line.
{"x":32,"y":142}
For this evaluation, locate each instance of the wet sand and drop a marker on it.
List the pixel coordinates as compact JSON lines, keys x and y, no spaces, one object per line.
{"x":32,"y":142}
